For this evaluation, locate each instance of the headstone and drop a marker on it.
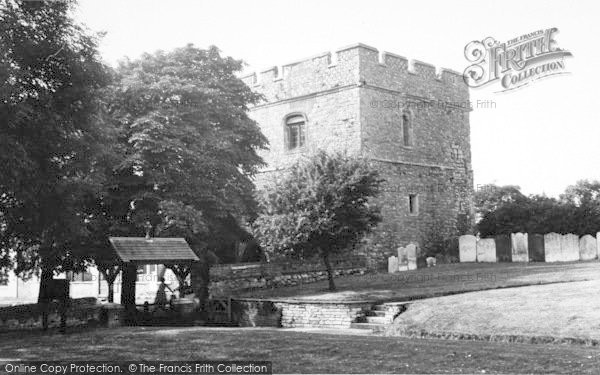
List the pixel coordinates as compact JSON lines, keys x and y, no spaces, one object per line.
{"x":503,"y":252}
{"x":392,"y":264}
{"x":486,"y":250}
{"x":588,"y":248}
{"x":536,"y":247}
{"x":411,"y":253}
{"x":402,"y":259}
{"x":467,"y":247}
{"x":552,"y":251}
{"x":519,"y":249}
{"x":569,"y":247}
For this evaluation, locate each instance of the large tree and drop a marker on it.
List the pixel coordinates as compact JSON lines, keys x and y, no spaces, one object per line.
{"x":50,"y":73}
{"x":584,"y":196}
{"x":322,"y":207}
{"x":187,"y":151}
{"x":489,"y":197}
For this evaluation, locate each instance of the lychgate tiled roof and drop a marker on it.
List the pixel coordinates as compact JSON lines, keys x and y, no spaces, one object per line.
{"x":161,"y":250}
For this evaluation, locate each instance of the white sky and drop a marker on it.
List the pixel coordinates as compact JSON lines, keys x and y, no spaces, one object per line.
{"x":542,"y":137}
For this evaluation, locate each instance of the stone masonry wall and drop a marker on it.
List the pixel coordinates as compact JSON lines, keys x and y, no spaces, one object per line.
{"x":227,"y":279}
{"x":81,"y":312}
{"x":297,"y":314}
{"x":321,"y":315}
{"x":436,"y":166}
{"x":353,"y":100}
{"x":443,"y":196}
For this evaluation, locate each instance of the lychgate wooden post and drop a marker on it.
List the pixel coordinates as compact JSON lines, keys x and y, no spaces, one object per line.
{"x":129,"y":277}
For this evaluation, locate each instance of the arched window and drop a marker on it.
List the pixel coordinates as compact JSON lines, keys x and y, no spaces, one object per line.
{"x":295,"y":128}
{"x":406,"y":129}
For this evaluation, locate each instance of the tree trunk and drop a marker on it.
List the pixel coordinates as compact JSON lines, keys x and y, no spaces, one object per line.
{"x":43,"y":294}
{"x":111,"y":291}
{"x":129,"y":277}
{"x":200,"y":280}
{"x":329,"y":272}
{"x":45,"y":279}
{"x":110,"y":274}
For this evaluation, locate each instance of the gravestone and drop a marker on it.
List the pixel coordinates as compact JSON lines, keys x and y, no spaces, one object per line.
{"x":503,"y":248}
{"x":519,"y":249}
{"x":536,"y":247}
{"x":411,"y":255}
{"x":392,"y":264}
{"x":588,"y":248}
{"x":569,"y":247}
{"x":552,"y":252}
{"x":486,"y":250}
{"x":402,"y":259}
{"x":467,"y":247}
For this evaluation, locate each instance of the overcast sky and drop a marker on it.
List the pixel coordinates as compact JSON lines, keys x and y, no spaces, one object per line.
{"x":542,"y":137}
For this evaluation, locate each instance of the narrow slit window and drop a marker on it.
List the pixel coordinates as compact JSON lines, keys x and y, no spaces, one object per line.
{"x":406,"y":130}
{"x":413,"y":204}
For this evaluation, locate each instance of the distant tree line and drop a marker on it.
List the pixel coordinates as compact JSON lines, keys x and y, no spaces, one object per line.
{"x":504,"y":209}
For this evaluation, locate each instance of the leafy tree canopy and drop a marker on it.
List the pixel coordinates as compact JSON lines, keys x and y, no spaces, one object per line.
{"x":185,"y":152}
{"x":489,"y":197}
{"x":50,"y":73}
{"x":323,"y":206}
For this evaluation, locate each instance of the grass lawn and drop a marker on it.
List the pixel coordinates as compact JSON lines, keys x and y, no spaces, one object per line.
{"x":559,"y":310}
{"x":301,"y":352}
{"x":440,"y":280}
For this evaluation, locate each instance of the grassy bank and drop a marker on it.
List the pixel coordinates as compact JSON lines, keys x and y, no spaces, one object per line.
{"x":431,"y":282}
{"x":567,"y":310}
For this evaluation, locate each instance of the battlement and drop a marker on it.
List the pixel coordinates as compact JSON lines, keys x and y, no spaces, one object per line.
{"x":357,"y":64}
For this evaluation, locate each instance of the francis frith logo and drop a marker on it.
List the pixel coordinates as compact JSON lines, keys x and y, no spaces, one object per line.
{"x":515,"y":63}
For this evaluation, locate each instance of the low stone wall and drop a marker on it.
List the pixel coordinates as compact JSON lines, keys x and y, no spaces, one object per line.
{"x":321,"y":314}
{"x":255,"y":313}
{"x":227,"y":278}
{"x":297,"y":314}
{"x":81,"y":312}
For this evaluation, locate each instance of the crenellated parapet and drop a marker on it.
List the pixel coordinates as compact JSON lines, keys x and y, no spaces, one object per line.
{"x":358,"y":65}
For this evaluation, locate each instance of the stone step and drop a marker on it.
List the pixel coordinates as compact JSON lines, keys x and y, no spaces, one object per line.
{"x":372,"y":326}
{"x":378,"y":319}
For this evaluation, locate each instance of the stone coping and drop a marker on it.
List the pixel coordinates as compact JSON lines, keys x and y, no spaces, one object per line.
{"x":300,"y":302}
{"x":399,"y":300}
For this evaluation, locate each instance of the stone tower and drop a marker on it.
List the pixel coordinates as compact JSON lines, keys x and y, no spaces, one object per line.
{"x":409,"y":119}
